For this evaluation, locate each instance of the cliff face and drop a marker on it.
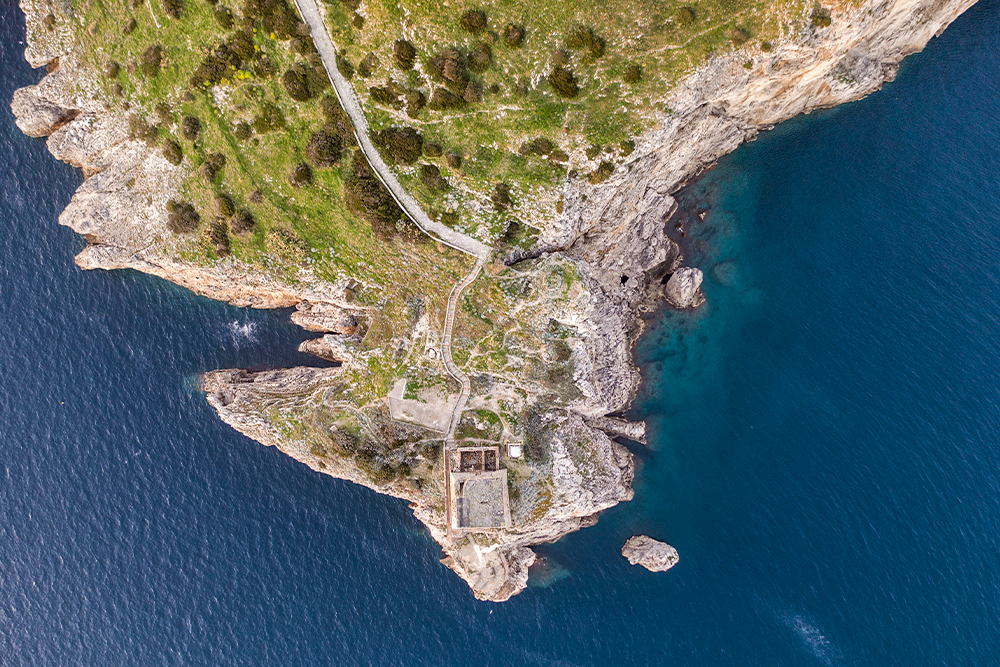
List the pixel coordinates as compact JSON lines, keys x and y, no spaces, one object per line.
{"x":613,"y":233}
{"x":617,"y":229}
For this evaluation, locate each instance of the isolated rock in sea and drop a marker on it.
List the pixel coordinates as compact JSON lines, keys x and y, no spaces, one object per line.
{"x":684,"y":288}
{"x":653,"y":555}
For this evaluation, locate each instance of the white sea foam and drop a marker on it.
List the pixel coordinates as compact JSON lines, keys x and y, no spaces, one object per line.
{"x":243,"y":333}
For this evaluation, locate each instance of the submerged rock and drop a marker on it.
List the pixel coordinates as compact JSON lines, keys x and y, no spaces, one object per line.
{"x":683,"y":290}
{"x":653,"y":555}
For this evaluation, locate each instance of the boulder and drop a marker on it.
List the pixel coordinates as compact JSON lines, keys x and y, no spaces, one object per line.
{"x":653,"y":555}
{"x":683,"y":290}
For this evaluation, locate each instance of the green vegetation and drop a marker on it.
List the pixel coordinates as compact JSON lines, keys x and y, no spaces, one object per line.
{"x":481,"y":81}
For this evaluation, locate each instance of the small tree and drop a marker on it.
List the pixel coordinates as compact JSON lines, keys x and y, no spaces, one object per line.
{"x":481,"y":57}
{"x":820,"y":17}
{"x":739,"y":36}
{"x":686,"y":16}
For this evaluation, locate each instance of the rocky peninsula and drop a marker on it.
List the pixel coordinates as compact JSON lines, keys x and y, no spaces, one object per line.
{"x":484,"y":389}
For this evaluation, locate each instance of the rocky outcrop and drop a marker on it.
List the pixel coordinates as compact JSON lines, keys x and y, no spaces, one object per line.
{"x":653,"y":555}
{"x":614,"y":233}
{"x":616,"y":230}
{"x":37,"y":116}
{"x":683,"y":289}
{"x":619,"y":427}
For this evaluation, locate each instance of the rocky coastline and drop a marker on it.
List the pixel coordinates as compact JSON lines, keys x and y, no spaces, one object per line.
{"x":614,"y":233}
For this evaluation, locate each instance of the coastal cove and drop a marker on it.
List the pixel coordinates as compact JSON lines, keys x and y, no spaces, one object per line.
{"x":821,"y":434}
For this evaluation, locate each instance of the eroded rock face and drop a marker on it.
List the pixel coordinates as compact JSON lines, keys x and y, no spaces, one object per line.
{"x":652,"y":554}
{"x":683,"y":290}
{"x":38,"y":116}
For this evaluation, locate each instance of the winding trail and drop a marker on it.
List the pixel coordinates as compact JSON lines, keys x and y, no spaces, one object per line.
{"x":310,"y":13}
{"x":449,"y":363}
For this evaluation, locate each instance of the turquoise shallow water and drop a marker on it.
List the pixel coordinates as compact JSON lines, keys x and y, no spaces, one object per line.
{"x":823,"y":449}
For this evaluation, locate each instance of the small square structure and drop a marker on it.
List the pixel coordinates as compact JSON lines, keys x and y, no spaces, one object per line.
{"x":514,"y":450}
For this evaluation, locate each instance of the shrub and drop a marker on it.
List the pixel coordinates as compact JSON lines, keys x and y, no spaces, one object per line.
{"x":433,"y":150}
{"x":739,"y":36}
{"x":481,"y":57}
{"x":345,"y":67}
{"x":603,"y":171}
{"x":256,"y":197}
{"x":224,"y":17}
{"x":182,"y":218}
{"x":275,"y":16}
{"x":49,"y":22}
{"x":558,"y":155}
{"x":442,"y":98}
{"x":140,"y":130}
{"x":300,"y":175}
{"x":633,"y":73}
{"x":686,"y":16}
{"x":295,"y":85}
{"x":581,"y":36}
{"x":216,"y":237}
{"x":172,"y":151}
{"x":243,"y":131}
{"x":173,"y":8}
{"x":430,"y":176}
{"x":513,"y":34}
{"x":564,"y":83}
{"x":242,"y":222}
{"x":415,"y":101}
{"x":539,"y":146}
{"x":560,"y":58}
{"x":473,"y":92}
{"x":403,"y":144}
{"x":501,"y":197}
{"x":214,"y":163}
{"x":323,"y":149}
{"x":627,"y":147}
{"x":337,"y":120}
{"x":151,"y":60}
{"x":190,"y":127}
{"x":286,"y":244}
{"x":130,"y":27}
{"x":268,"y":119}
{"x":365,"y":195}
{"x":766,"y":46}
{"x":224,"y":204}
{"x":367,"y":66}
{"x":164,"y":112}
{"x":264,"y":67}
{"x":112,"y":69}
{"x":820,"y":17}
{"x":454,"y":160}
{"x":404,"y":53}
{"x":384,"y":96}
{"x":473,"y":20}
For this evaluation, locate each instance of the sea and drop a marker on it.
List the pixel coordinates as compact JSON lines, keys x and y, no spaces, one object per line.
{"x":823,"y":447}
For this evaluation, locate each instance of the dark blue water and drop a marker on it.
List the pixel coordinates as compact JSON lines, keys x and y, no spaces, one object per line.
{"x":824,"y":450}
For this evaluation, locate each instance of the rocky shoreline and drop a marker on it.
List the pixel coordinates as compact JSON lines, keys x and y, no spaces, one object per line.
{"x":613,"y":232}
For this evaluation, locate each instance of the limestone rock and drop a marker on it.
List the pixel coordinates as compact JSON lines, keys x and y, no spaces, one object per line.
{"x":38,"y":116}
{"x":653,"y":555}
{"x":683,"y":290}
{"x":324,"y":318}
